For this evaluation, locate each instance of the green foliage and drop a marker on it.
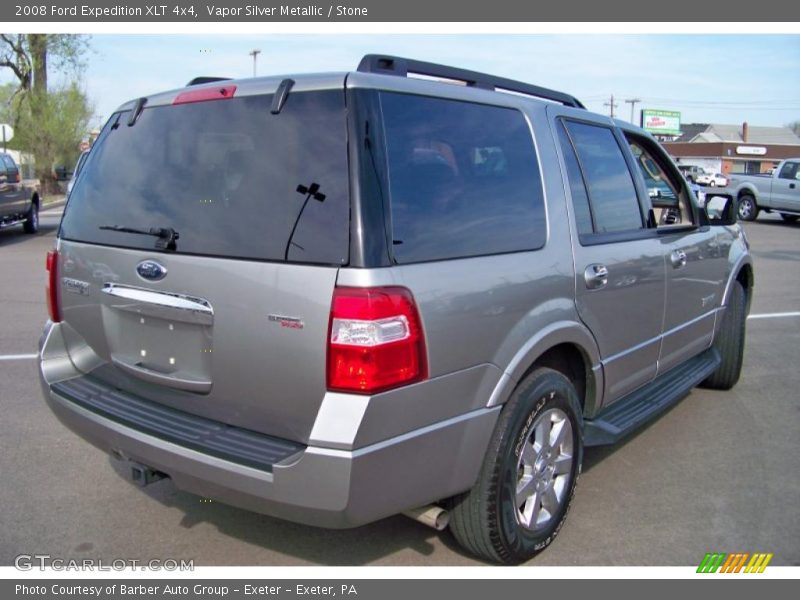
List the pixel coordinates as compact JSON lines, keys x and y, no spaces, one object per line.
{"x":62,"y":52}
{"x":49,"y":123}
{"x":51,"y":126}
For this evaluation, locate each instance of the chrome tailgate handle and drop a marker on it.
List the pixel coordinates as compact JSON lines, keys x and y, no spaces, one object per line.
{"x":167,"y":305}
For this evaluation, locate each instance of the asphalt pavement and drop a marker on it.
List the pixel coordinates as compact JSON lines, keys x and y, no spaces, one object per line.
{"x":720,"y":472}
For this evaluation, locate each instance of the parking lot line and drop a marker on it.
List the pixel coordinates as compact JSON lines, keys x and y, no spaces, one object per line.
{"x":18,"y":356}
{"x":779,"y":315}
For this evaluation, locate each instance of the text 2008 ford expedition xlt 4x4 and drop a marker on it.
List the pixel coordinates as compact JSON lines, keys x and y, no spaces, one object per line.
{"x":333,"y":298}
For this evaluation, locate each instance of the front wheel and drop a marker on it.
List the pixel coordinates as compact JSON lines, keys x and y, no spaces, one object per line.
{"x":31,"y":224}
{"x":526,"y":484}
{"x":747,"y":209}
{"x":712,"y":183}
{"x":729,"y":342}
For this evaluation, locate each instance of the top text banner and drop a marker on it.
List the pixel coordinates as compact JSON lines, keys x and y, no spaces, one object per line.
{"x":465,"y":11}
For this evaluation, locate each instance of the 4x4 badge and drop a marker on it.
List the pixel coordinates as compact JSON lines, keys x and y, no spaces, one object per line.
{"x":287,"y":322}
{"x":151,"y":270}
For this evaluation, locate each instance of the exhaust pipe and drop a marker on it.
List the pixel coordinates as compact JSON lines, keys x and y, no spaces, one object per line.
{"x":431,"y":515}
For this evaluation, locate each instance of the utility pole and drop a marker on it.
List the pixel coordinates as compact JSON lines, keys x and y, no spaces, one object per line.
{"x":612,"y":105}
{"x":254,"y":53}
{"x":633,"y":102}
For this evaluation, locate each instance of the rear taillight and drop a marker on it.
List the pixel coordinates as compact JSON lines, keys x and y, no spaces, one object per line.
{"x":376,"y":340}
{"x":222,"y":92}
{"x":51,"y":288}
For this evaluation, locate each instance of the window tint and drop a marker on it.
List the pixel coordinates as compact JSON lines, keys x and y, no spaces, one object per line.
{"x":611,"y":190}
{"x":580,"y":199}
{"x":789,"y":171}
{"x":463,"y":179}
{"x":9,"y":164}
{"x":224,"y":175}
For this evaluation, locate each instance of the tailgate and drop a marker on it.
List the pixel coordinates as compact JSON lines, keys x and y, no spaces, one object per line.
{"x":200,"y":247}
{"x":234,"y":341}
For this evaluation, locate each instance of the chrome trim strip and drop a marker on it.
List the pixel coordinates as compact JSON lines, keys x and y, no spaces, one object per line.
{"x":198,"y":308}
{"x":658,"y":338}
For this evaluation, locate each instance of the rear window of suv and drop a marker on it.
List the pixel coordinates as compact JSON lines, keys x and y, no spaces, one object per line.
{"x":463,"y":179}
{"x":230,"y":177}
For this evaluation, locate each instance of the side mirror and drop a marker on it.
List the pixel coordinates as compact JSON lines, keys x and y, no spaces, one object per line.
{"x":720,"y":209}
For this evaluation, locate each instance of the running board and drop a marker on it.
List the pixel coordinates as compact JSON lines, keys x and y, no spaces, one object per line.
{"x":4,"y":224}
{"x":647,"y":402}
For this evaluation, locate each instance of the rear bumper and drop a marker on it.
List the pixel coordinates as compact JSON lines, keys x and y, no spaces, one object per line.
{"x":319,"y":486}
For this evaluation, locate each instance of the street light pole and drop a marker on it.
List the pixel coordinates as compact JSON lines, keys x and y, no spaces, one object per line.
{"x":254,"y":53}
{"x":633,"y":102}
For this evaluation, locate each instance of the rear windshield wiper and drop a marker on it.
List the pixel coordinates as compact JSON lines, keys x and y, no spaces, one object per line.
{"x":166,"y":235}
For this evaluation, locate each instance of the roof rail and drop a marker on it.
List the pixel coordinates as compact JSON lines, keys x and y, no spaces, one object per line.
{"x":401,"y":67}
{"x":201,"y":80}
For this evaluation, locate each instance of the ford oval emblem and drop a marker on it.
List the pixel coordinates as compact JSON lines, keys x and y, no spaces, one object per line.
{"x":151,"y":270}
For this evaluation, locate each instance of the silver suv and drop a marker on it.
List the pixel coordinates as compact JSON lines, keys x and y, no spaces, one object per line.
{"x":338,"y":297}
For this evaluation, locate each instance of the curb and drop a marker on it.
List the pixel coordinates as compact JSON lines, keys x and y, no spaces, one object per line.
{"x":52,"y":205}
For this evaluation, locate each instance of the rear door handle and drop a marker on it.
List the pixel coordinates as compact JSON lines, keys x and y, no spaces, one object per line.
{"x":596,"y":276}
{"x":678,"y":258}
{"x":791,"y":186}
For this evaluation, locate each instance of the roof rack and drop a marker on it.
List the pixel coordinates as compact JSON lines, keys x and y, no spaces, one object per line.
{"x":201,"y":80}
{"x":401,"y":67}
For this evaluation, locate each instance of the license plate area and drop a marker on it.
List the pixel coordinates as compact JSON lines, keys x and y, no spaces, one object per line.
{"x":159,"y":342}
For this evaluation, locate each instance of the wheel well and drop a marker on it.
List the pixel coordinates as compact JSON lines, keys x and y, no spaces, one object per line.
{"x":745,"y":192}
{"x":569,"y":360}
{"x":745,"y":277}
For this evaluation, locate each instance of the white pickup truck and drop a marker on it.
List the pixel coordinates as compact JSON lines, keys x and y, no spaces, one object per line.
{"x":779,"y":191}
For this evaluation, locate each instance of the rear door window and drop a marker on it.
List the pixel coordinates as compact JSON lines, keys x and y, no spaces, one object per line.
{"x":789,"y":171}
{"x":464,"y":179}
{"x":612,"y":194}
{"x":227,"y":175}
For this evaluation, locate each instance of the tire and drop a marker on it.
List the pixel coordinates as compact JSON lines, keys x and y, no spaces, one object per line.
{"x":712,"y":183}
{"x":31,"y":224}
{"x":789,"y":218}
{"x":747,"y":208}
{"x":487,"y":520}
{"x":729,"y":342}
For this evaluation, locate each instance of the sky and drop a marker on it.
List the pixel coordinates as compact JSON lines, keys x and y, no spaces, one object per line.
{"x":708,"y":78}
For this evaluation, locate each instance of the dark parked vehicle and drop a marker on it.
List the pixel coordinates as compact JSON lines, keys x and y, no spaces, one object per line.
{"x":334,"y":298}
{"x":19,"y":205}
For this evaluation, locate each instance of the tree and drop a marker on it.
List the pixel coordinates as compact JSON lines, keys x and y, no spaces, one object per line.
{"x":52,"y":126}
{"x":28,"y":55}
{"x":48,"y":123}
